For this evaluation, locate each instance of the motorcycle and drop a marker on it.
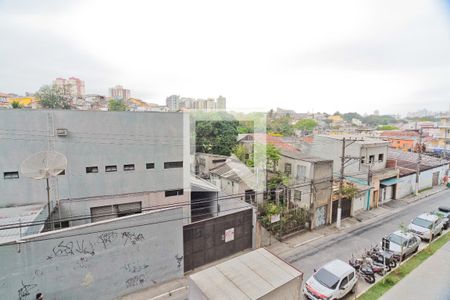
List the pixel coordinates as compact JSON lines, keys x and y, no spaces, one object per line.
{"x":377,"y":268}
{"x":364,"y":269}
{"x":382,"y":257}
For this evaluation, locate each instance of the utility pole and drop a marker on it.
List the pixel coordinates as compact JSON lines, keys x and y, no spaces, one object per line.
{"x":369,"y":183}
{"x":419,"y":160}
{"x":341,"y":185}
{"x":344,"y":159}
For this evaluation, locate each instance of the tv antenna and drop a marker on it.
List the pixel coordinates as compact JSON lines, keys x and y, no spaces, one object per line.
{"x":44,"y":165}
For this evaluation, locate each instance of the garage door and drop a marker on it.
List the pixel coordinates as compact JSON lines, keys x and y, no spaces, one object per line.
{"x":346,"y":205}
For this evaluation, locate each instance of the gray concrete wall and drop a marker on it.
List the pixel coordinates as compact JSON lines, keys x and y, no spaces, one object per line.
{"x":96,"y":261}
{"x":94,"y":139}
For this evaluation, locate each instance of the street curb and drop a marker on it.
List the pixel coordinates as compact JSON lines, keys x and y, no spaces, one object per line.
{"x":363,"y":223}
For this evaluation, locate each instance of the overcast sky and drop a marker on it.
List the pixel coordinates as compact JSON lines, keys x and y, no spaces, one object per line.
{"x":304,"y":55}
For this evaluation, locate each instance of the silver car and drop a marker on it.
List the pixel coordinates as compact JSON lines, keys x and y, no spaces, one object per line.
{"x":402,"y":244}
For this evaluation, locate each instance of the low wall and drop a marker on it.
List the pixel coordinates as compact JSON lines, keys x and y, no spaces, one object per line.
{"x":102,"y":260}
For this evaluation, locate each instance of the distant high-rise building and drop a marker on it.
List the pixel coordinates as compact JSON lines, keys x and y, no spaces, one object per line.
{"x":210,"y":104}
{"x":118,"y":92}
{"x":221,"y":103}
{"x":173,"y":103}
{"x":73,"y":86}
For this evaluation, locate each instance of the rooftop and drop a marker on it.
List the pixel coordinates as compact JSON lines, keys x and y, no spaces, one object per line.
{"x":338,"y":267}
{"x":361,"y":140}
{"x":407,"y":161}
{"x":249,"y":276}
{"x":20,"y":215}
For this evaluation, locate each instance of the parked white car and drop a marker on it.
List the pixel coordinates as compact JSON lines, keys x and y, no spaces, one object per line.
{"x":427,"y":226}
{"x":332,"y":281}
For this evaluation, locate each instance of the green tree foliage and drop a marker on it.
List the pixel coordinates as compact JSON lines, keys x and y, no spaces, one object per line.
{"x":52,"y":97}
{"x":240,"y":151}
{"x":273,"y":156}
{"x":216,"y":137}
{"x":16,"y":104}
{"x":117,"y":105}
{"x":282,"y":125}
{"x":374,"y":120}
{"x":387,"y":127}
{"x":351,"y":115}
{"x":306,"y":125}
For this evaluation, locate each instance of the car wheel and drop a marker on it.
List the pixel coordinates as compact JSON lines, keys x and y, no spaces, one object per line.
{"x":353,"y":290}
{"x":417,"y":249}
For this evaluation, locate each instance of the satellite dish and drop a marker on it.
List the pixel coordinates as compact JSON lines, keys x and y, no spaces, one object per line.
{"x":43,"y":165}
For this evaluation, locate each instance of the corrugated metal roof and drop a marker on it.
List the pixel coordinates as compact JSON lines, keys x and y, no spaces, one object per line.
{"x":201,"y":185}
{"x":19,"y":215}
{"x":249,"y":276}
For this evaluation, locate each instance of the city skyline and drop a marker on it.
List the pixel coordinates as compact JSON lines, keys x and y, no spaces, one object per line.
{"x":310,"y":59}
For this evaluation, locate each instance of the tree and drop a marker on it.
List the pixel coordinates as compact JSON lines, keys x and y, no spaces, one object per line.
{"x":387,"y":127}
{"x":216,"y":137}
{"x":117,"y":105}
{"x":306,"y":125}
{"x":16,"y":104}
{"x":282,"y":125}
{"x":239,"y":151}
{"x":273,"y":156}
{"x":52,"y":97}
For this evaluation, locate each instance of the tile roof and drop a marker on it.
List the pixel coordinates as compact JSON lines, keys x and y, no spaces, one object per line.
{"x":264,"y":138}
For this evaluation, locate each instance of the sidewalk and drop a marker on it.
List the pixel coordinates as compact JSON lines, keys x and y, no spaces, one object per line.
{"x":428,"y":281}
{"x":361,"y":218}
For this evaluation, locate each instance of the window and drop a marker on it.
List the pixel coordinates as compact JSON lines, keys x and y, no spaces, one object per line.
{"x":127,"y":209}
{"x":350,"y":277}
{"x":62,"y":224}
{"x":150,"y":165}
{"x":301,"y":171}
{"x":63,"y":172}
{"x":174,"y":193}
{"x":10,"y":175}
{"x":298,"y":195}
{"x":107,"y":212}
{"x":215,"y":161}
{"x":380,"y":157}
{"x":344,"y":282}
{"x":111,"y":169}
{"x":363,"y":158}
{"x":129,"y":167}
{"x":91,"y":169}
{"x":371,"y":159}
{"x":173,"y":164}
{"x":287,"y":169}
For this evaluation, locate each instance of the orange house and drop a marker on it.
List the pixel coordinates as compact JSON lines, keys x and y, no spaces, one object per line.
{"x":401,"y":139}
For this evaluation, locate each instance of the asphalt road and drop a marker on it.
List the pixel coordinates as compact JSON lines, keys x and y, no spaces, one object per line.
{"x":315,"y":254}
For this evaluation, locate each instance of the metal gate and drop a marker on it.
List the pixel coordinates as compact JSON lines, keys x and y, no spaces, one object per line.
{"x":346,"y":205}
{"x":209,"y":240}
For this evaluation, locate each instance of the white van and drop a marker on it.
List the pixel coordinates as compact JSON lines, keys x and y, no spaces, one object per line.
{"x":333,"y":281}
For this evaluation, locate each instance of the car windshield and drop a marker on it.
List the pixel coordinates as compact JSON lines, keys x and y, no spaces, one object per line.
{"x":422,"y":223}
{"x":326,"y":278}
{"x":396,"y":239}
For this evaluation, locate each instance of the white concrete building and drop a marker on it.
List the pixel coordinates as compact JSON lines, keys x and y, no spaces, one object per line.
{"x":118,"y":162}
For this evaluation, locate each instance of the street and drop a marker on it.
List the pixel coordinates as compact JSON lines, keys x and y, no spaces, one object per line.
{"x":315,"y":254}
